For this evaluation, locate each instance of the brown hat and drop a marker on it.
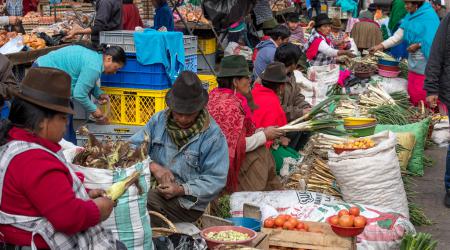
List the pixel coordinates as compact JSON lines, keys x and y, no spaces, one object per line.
{"x":275,"y":73}
{"x":48,"y":88}
{"x":336,"y":23}
{"x":187,"y":94}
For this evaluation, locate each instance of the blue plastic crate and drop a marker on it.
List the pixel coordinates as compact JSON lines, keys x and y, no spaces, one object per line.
{"x":191,"y":63}
{"x":137,"y":76}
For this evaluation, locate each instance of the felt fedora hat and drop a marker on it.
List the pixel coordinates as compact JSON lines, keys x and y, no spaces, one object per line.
{"x":187,"y":94}
{"x":336,"y":23}
{"x":275,"y":73}
{"x":48,"y":88}
{"x":321,"y":19}
{"x":234,"y":65}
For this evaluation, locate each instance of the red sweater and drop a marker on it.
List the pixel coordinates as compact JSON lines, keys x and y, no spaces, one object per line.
{"x":269,"y":111}
{"x":37,"y":184}
{"x":130,"y":17}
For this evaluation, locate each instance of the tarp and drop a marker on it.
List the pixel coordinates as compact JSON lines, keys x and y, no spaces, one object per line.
{"x":223,"y":13}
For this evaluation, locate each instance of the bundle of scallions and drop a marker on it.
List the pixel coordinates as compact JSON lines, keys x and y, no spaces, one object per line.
{"x":311,"y":121}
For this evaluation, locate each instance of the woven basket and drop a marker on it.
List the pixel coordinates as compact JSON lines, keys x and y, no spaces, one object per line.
{"x":162,"y":231}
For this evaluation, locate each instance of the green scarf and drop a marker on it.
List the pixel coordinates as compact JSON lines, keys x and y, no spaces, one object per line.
{"x":182,"y":136}
{"x":398,"y":11}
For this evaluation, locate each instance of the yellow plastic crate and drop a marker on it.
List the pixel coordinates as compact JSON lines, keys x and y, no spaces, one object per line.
{"x":209,"y":81}
{"x":207,"y":45}
{"x":134,"y":106}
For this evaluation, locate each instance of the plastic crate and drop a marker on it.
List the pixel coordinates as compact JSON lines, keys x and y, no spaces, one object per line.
{"x":115,"y":132}
{"x":134,"y":106}
{"x":125,"y":39}
{"x":209,"y":82}
{"x":122,"y":38}
{"x":190,"y":45}
{"x":201,"y":63}
{"x":208,"y":46}
{"x":137,"y":76}
{"x":191,"y":63}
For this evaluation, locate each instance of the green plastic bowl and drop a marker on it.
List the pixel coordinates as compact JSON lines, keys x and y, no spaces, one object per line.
{"x":361,"y":132}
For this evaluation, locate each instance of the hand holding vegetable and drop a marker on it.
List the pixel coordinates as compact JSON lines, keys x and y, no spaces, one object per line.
{"x":376,"y":48}
{"x":432,"y":100}
{"x":272,"y":133}
{"x":162,"y":174}
{"x":14,"y":20}
{"x":170,"y":190}
{"x":97,"y":114}
{"x":105,"y":205}
{"x":95,"y":193}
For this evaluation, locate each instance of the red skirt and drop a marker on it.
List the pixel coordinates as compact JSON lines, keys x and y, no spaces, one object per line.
{"x":415,"y":88}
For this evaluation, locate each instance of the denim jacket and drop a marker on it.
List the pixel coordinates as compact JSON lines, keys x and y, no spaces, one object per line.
{"x":200,"y":166}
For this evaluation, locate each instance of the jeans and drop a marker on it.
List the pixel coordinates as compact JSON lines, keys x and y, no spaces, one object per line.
{"x":70,"y":135}
{"x":314,"y":5}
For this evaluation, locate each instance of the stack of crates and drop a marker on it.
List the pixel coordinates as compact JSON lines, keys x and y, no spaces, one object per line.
{"x":208,"y":47}
{"x":138,"y":91}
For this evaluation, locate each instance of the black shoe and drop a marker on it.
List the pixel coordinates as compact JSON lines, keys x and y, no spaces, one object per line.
{"x":447,"y":200}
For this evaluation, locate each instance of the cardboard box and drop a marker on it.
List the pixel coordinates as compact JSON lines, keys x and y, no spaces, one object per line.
{"x":326,"y":240}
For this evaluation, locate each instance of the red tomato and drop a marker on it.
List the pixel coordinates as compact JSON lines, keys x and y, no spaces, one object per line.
{"x":346,"y":221}
{"x":279,"y":221}
{"x":269,"y":223}
{"x":293,"y":221}
{"x":354,"y":211}
{"x":334,"y":220}
{"x":360,"y":221}
{"x":300,"y":225}
{"x":288,"y":226}
{"x":343,"y":212}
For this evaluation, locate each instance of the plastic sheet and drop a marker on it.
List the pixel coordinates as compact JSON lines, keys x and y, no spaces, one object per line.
{"x":223,"y":13}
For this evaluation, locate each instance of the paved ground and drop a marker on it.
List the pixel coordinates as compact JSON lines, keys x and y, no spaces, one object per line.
{"x":430,"y":197}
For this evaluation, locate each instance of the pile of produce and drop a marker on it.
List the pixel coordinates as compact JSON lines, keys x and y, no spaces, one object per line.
{"x":420,"y":241}
{"x":109,"y":154}
{"x":36,"y":18}
{"x":362,"y":68}
{"x":286,"y":222}
{"x":363,"y":143}
{"x":279,"y":5}
{"x":191,"y":13}
{"x":228,"y":235}
{"x":6,"y":37}
{"x":33,"y":41}
{"x":348,"y":218}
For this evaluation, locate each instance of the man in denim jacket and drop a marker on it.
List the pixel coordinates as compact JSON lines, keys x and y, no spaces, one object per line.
{"x":189,"y":153}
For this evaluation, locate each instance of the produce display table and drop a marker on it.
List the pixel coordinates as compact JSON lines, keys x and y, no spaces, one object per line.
{"x":193,"y":26}
{"x":25,"y":57}
{"x":285,"y":11}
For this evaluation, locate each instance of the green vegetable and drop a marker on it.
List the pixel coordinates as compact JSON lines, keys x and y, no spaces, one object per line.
{"x":318,"y":109}
{"x":223,"y":207}
{"x":420,"y":241}
{"x":229,"y":235}
{"x":390,"y":114}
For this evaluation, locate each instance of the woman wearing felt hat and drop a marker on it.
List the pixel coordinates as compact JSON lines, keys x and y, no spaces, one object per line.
{"x":252,"y":167}
{"x":43,"y":204}
{"x":319,"y":48}
{"x":418,"y":29}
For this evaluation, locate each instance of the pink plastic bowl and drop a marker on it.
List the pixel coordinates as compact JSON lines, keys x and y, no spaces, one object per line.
{"x":387,"y":73}
{"x":213,"y":243}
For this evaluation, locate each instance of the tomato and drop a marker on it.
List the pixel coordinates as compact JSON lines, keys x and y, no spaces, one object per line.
{"x":354,"y":211}
{"x":360,"y":221}
{"x":279,"y":221}
{"x":334,"y":220}
{"x":269,"y":223}
{"x":300,"y":225}
{"x":346,"y":221}
{"x":293,"y":221}
{"x":286,"y":217}
{"x":343,"y":212}
{"x":288,"y":226}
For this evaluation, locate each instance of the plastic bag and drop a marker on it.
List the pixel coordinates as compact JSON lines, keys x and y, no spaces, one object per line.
{"x":223,"y":13}
{"x":178,"y":242}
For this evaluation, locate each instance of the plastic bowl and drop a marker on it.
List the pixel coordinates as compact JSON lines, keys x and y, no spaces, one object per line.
{"x":213,"y":243}
{"x":345,"y":231}
{"x":387,"y":73}
{"x":388,"y":62}
{"x":249,"y":223}
{"x":358,"y":121}
{"x":388,"y":68}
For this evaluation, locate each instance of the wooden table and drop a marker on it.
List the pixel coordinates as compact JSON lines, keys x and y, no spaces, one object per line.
{"x":25,"y":57}
{"x":193,"y":26}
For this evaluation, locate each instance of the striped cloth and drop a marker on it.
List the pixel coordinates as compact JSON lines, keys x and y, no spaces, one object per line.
{"x":263,"y":12}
